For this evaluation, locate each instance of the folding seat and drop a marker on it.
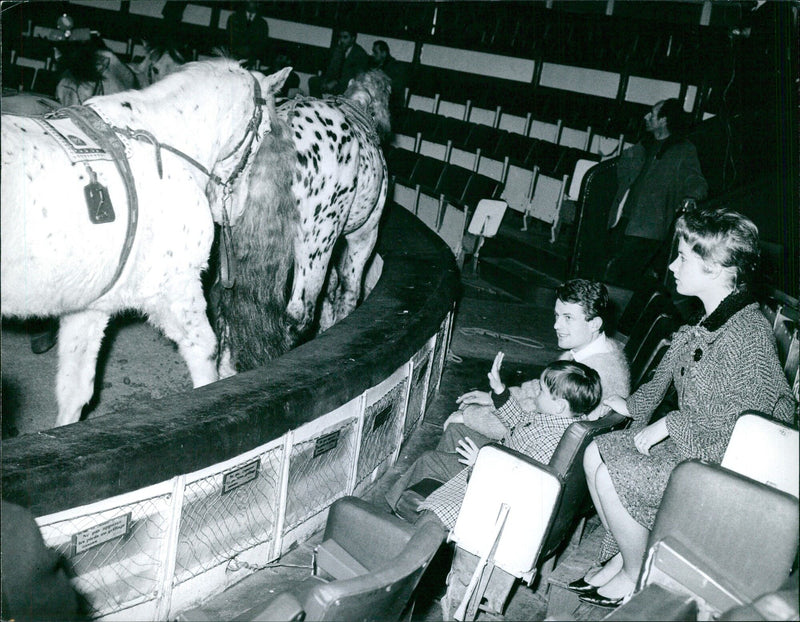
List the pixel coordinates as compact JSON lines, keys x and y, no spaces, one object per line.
{"x":366,"y":568}
{"x":452,"y":131}
{"x":656,"y":338}
{"x":545,"y":501}
{"x":516,"y":147}
{"x":546,"y":201}
{"x":453,"y":183}
{"x":427,"y":173}
{"x":485,"y":138}
{"x":546,"y":156}
{"x":401,"y":164}
{"x":765,"y":450}
{"x":720,"y":540}
{"x":481,"y":187}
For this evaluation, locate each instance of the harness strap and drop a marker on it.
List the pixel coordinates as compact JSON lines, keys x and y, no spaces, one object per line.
{"x":91,"y":123}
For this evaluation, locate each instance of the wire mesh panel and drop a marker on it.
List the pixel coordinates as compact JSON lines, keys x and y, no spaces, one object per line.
{"x":384,"y":411}
{"x":417,"y":390}
{"x":116,"y":548}
{"x":321,"y":462}
{"x":437,"y":361}
{"x":228,"y":511}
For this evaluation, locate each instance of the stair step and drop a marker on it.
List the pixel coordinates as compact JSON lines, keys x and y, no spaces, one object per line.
{"x":518,"y":279}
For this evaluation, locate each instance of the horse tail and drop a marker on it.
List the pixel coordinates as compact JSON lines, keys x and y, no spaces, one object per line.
{"x":254,"y":310}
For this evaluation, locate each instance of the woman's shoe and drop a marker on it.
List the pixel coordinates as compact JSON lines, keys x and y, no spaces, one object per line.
{"x":598,"y":600}
{"x":581,"y":586}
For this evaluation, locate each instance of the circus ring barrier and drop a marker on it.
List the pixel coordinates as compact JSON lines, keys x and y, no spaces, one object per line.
{"x":156,"y":507}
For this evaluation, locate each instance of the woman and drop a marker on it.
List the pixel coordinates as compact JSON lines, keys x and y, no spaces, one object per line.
{"x":721,"y":364}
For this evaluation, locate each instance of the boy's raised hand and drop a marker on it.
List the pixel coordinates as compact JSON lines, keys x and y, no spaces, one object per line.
{"x":494,"y":375}
{"x":468,"y":451}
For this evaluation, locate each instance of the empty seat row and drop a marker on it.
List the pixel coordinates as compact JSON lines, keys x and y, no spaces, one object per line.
{"x":460,"y":186}
{"x":522,"y":151}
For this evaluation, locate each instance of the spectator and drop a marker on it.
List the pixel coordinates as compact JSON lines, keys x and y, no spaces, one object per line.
{"x":248,"y":34}
{"x":721,"y":364}
{"x":347,"y":61}
{"x":383,"y":60}
{"x":655,"y":178}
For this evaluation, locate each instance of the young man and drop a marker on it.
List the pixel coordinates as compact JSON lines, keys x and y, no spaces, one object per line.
{"x":582,"y":310}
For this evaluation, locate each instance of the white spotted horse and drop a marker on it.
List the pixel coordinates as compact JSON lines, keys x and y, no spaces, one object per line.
{"x":111,"y":206}
{"x":339,"y":182}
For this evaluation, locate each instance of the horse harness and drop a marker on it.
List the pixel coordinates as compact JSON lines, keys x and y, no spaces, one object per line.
{"x":98,"y":201}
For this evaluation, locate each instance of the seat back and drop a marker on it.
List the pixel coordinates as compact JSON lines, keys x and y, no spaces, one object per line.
{"x":720,"y":536}
{"x":567,"y":462}
{"x":766,"y":451}
{"x":385,"y":591}
{"x":644,"y":356}
{"x":643,"y":303}
{"x":529,"y":488}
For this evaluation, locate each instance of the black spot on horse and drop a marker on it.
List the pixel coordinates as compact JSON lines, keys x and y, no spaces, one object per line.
{"x":127,"y":105}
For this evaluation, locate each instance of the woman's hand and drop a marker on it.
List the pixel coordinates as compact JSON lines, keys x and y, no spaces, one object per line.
{"x":468,"y":451}
{"x":651,"y":435}
{"x":617,"y":404}
{"x":456,"y":417}
{"x":494,"y":374}
{"x":481,"y":398}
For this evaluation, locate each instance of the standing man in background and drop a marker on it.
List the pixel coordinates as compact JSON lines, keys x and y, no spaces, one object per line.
{"x":248,"y":35}
{"x":656,"y":177}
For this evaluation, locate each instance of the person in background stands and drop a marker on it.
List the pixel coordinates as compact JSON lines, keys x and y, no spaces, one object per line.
{"x":721,"y":363}
{"x":656,"y":177}
{"x":347,"y":61}
{"x":383,"y":60}
{"x":248,"y":34}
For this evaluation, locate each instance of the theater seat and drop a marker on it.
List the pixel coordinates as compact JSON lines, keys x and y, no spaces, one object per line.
{"x":545,"y":502}
{"x":720,"y":539}
{"x":368,"y":566}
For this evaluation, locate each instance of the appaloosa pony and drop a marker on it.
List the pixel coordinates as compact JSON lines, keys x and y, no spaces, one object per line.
{"x":339,"y":181}
{"x":111,"y":206}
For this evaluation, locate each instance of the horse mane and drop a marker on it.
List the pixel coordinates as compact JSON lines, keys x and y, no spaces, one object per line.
{"x":251,"y":321}
{"x":372,"y":89}
{"x":192,"y":73}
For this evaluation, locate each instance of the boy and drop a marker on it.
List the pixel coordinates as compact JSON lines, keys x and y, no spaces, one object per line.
{"x":568,"y":391}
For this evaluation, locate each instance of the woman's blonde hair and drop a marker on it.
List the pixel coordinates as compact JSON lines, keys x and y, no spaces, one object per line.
{"x":724,"y":237}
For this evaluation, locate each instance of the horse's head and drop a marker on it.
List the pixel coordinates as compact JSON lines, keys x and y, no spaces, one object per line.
{"x":233,"y":169}
{"x":371,"y":90}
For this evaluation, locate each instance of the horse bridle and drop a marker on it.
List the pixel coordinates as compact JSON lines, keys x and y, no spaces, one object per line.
{"x":249,"y":136}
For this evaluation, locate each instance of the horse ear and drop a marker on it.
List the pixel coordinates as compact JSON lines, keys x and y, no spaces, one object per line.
{"x":273,"y":82}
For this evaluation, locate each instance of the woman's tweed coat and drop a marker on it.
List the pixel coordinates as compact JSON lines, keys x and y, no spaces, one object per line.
{"x":720,"y":367}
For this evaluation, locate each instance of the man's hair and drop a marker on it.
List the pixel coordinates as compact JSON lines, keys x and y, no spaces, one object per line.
{"x":574,"y":382}
{"x":591,"y":296}
{"x":678,"y":121}
{"x":382,"y":46}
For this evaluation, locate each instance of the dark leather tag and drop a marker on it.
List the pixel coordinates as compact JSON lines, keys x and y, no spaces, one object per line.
{"x":97,"y":201}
